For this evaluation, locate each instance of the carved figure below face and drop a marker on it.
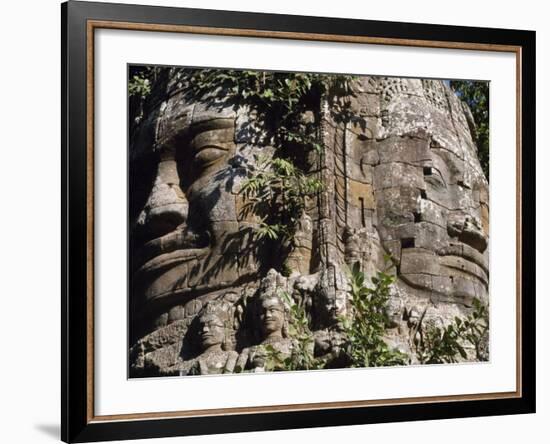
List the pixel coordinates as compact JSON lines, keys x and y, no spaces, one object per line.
{"x":213,"y":359}
{"x":336,"y":306}
{"x":211,"y":331}
{"x":270,"y":325}
{"x":272,"y":317}
{"x":331,"y":297}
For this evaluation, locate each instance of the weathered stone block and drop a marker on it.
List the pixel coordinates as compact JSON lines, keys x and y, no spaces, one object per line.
{"x":419,"y":280}
{"x":361,"y":194}
{"x":415,"y":151}
{"x":414,"y":259}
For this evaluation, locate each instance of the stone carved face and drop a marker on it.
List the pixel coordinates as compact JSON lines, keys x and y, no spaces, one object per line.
{"x":187,"y":232}
{"x":336,"y":306}
{"x":211,"y":331}
{"x":430,"y":194}
{"x":442,"y":248}
{"x":272,"y":316}
{"x":333,"y":307}
{"x":330,"y":298}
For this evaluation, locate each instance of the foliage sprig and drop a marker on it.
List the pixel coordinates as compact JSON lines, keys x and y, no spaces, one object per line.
{"x":439,"y":345}
{"x":365,"y":330}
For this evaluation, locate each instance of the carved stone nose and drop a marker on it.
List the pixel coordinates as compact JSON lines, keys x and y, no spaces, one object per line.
{"x":166,"y":207}
{"x":468,"y":230}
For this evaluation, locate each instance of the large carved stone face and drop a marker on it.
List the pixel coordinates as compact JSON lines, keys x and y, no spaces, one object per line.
{"x":187,"y":235}
{"x":431,"y":197}
{"x":440,"y":230}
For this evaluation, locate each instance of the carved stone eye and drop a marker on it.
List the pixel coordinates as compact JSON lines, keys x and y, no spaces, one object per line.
{"x":434,"y":177}
{"x":208,"y":155}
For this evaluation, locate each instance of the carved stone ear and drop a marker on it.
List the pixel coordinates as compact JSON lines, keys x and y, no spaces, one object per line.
{"x":226,"y":336}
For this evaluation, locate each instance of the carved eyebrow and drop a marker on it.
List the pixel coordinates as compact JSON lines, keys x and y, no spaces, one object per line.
{"x":215,"y":324}
{"x":217,"y":146}
{"x":450,"y":159}
{"x":214,"y":137}
{"x":209,"y":124}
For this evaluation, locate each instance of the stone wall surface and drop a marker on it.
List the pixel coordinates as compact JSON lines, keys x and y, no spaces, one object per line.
{"x":402,"y":181}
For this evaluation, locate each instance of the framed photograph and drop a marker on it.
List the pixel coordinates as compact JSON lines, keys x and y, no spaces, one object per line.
{"x":276,"y":221}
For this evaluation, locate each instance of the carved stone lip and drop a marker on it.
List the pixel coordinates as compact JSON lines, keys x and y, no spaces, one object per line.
{"x":465,"y":265}
{"x":178,"y":240}
{"x":206,"y":336}
{"x":466,"y":252}
{"x":171,"y":259}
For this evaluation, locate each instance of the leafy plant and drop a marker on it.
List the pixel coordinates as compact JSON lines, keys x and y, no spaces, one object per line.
{"x":278,"y":100}
{"x":364,"y":332}
{"x":438,"y":345}
{"x":366,"y":346}
{"x":139,"y":86}
{"x":276,"y":190}
{"x":140,"y":83}
{"x":476,"y":95}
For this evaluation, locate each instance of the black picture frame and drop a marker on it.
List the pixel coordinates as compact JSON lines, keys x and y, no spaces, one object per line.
{"x":78,"y":423}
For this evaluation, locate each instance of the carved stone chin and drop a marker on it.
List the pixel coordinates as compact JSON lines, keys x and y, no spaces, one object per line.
{"x":211,"y":363}
{"x":254,"y":358}
{"x":402,"y":191}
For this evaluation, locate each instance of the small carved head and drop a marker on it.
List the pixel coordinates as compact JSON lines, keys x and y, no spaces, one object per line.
{"x":211,"y":330}
{"x":272,"y":315}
